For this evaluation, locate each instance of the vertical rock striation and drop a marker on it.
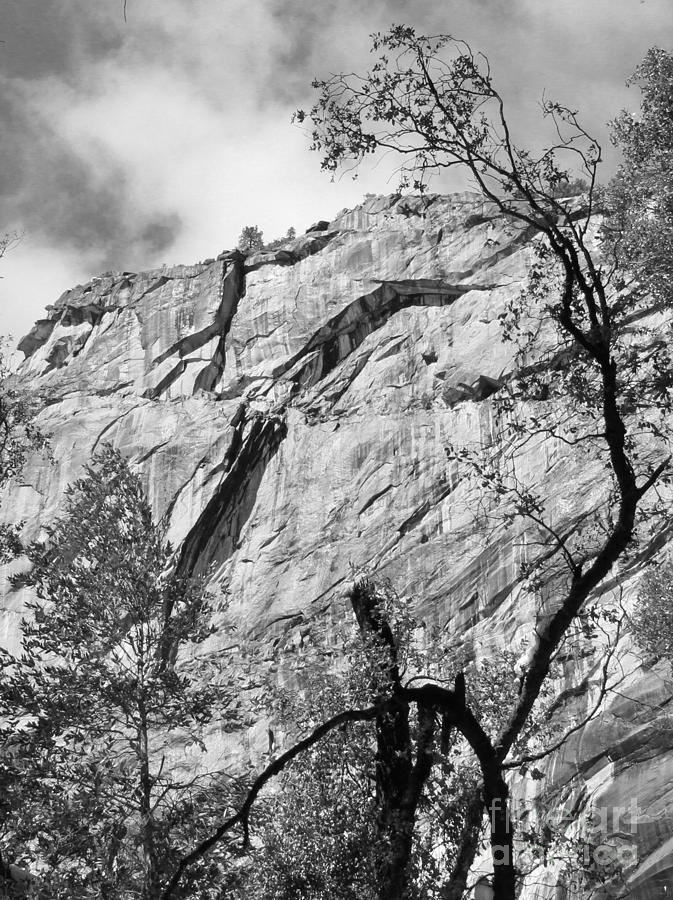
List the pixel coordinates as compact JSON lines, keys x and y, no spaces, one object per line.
{"x":289,"y":414}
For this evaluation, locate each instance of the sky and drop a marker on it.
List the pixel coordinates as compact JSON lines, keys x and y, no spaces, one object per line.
{"x":129,"y":143}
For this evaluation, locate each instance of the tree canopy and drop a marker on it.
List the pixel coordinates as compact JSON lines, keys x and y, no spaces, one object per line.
{"x":91,"y":798}
{"x":639,"y":227}
{"x":250,"y":239}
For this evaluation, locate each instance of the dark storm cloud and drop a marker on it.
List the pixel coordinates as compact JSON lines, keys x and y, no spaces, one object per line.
{"x":72,"y":201}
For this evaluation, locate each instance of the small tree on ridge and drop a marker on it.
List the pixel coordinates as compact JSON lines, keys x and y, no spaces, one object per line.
{"x":251,"y":239}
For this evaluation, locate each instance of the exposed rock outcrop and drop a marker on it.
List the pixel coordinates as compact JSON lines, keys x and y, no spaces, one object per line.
{"x":290,"y":412}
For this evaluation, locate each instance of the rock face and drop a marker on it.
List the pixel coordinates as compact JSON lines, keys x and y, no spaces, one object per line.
{"x":290,"y":412}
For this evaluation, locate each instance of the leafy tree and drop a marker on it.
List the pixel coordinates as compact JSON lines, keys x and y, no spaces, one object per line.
{"x":251,"y":239}
{"x":321,"y":830}
{"x":330,"y":829}
{"x":316,"y":832}
{"x":319,"y":835}
{"x":594,"y":387}
{"x":94,"y":802}
{"x":639,"y":230}
{"x":653,"y":619}
{"x":433,"y":101}
{"x":19,"y":436}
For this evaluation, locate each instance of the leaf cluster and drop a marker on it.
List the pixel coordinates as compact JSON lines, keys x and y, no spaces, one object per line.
{"x":432,"y":100}
{"x":638,"y":231}
{"x":19,"y":436}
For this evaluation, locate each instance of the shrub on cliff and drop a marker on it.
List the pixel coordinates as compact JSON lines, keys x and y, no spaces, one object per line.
{"x":653,"y":619}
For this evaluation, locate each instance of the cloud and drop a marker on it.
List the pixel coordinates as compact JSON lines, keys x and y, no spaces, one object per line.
{"x":79,"y":200}
{"x":53,"y":188}
{"x":127,"y":145}
{"x":45,"y":39}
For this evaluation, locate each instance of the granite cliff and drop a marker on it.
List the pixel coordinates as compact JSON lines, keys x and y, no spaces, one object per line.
{"x":289,"y":413}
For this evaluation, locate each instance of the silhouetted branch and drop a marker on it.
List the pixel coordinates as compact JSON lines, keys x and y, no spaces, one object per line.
{"x":241,"y":817}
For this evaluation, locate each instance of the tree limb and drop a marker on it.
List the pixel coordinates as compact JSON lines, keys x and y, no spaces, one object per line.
{"x":241,"y":817}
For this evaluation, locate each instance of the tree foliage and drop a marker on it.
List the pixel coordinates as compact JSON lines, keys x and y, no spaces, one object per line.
{"x":93,"y":802}
{"x":251,"y":239}
{"x":8,"y":241}
{"x":586,"y":377}
{"x":19,"y":436}
{"x":316,"y":832}
{"x":433,"y":101}
{"x":639,"y":229}
{"x":392,"y":808}
{"x":605,"y":389}
{"x":321,"y":831}
{"x":653,"y":618}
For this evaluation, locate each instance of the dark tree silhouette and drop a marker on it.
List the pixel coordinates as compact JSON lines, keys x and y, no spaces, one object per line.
{"x":432,"y":100}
